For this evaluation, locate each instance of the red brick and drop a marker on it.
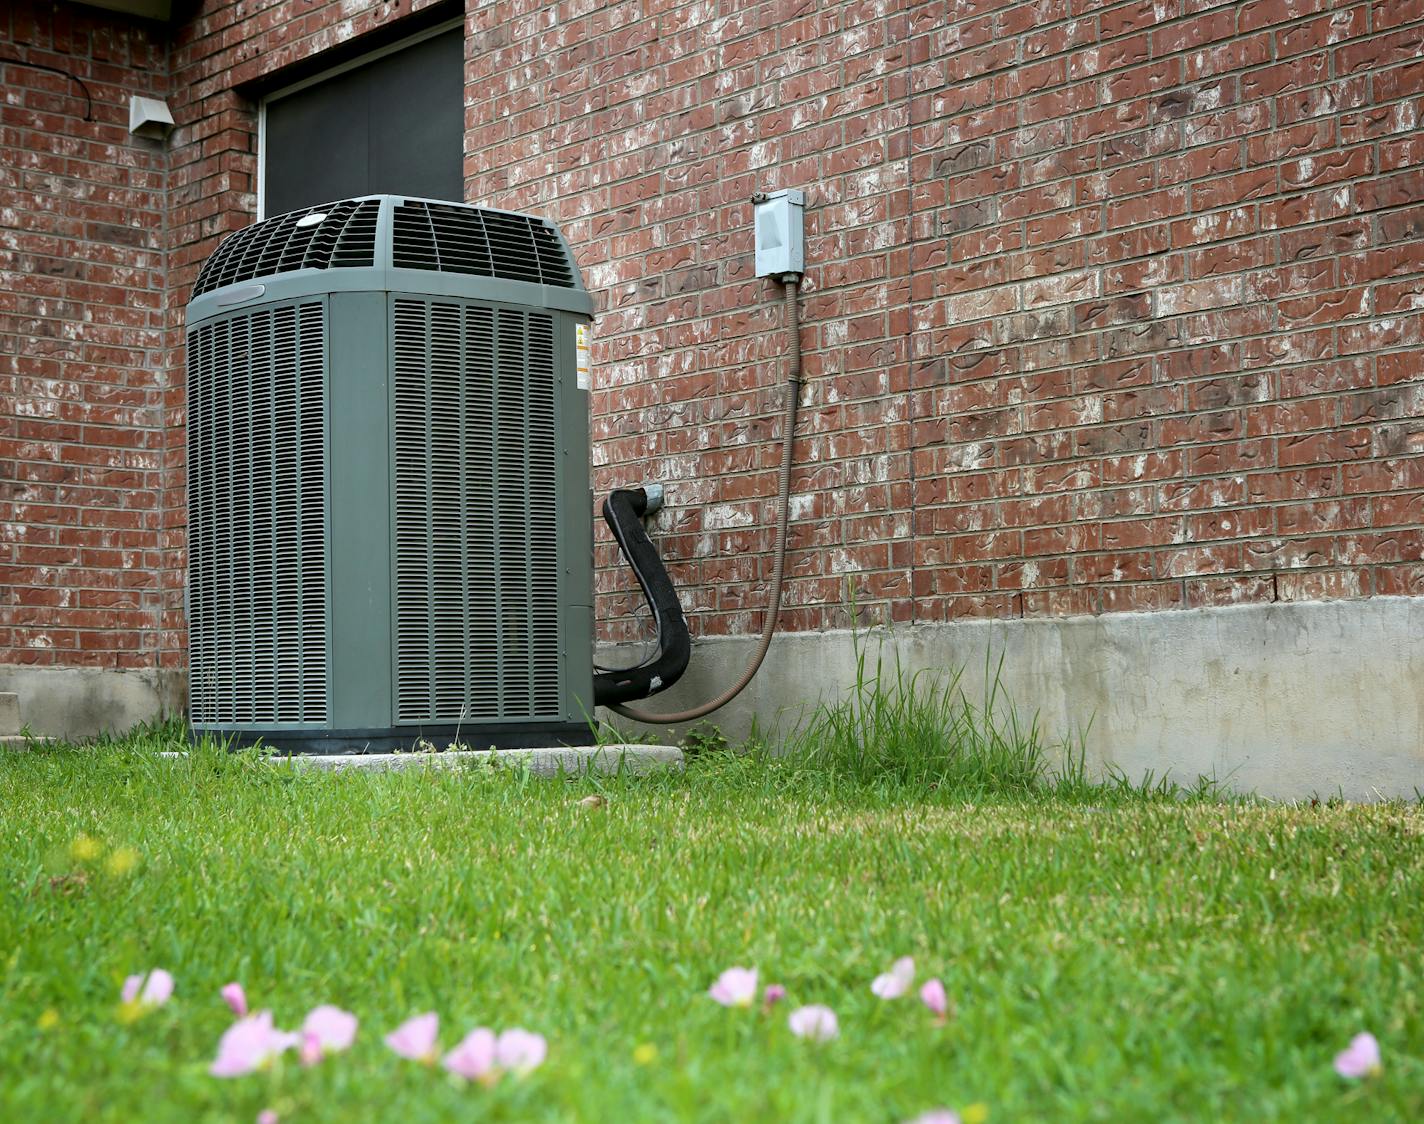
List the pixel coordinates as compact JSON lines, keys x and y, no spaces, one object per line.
{"x":1132,"y":266}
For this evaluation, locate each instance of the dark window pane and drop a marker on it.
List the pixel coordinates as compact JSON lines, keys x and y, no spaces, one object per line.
{"x":394,"y":125}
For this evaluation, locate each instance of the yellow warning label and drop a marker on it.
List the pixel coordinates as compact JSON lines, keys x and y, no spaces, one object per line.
{"x":581,"y":357}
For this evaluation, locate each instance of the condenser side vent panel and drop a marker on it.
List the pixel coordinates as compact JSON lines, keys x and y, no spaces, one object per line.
{"x":345,"y":237}
{"x":476,"y":513}
{"x":469,"y":240}
{"x":257,"y":525}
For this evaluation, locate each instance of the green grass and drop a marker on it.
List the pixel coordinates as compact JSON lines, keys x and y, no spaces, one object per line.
{"x":1112,"y":955}
{"x":923,"y":730}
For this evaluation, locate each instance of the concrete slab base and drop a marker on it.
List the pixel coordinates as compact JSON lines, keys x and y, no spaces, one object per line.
{"x":545,"y":762}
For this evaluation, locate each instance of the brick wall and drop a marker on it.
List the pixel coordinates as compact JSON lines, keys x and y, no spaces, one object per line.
{"x":1111,"y":306}
{"x":1108,"y":306}
{"x":217,"y":55}
{"x":82,"y":216}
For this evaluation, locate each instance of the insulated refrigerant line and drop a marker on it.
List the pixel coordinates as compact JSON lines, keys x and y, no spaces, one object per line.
{"x":791,"y":288}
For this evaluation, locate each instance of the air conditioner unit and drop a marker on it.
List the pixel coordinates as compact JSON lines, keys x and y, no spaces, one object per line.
{"x":389,"y":516}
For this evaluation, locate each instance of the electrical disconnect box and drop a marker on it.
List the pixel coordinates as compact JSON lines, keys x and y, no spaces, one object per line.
{"x":779,"y":235}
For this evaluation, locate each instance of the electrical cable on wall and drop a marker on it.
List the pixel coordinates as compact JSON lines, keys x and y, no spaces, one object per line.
{"x":88,"y":100}
{"x":615,"y":689}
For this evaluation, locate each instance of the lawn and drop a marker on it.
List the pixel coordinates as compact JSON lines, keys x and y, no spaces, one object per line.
{"x":1109,"y":954}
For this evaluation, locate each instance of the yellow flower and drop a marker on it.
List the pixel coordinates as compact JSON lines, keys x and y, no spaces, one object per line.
{"x":646,"y":1054}
{"x":975,"y":1113}
{"x":121,"y":861}
{"x":85,"y":848}
{"x":49,"y":1020}
{"x":130,"y":1012}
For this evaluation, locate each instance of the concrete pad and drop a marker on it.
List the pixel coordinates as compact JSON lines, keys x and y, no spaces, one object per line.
{"x":547,"y":762}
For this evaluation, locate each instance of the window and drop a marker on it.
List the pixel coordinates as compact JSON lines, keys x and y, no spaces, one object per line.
{"x":391,"y":122}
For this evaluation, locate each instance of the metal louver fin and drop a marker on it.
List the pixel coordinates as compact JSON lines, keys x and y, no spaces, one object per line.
{"x":256,"y":531}
{"x":346,"y":237}
{"x":476,"y":550}
{"x":451,"y":239}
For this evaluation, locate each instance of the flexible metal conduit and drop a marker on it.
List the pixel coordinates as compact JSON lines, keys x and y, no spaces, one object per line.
{"x":791,"y":290}
{"x":623,"y":511}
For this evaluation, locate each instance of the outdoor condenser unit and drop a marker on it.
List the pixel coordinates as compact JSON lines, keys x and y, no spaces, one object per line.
{"x":389,"y":517}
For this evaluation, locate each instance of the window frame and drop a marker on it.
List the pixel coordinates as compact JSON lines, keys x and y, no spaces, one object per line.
{"x":442,"y":28}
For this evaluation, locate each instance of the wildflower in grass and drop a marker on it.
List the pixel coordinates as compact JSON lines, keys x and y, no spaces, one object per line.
{"x":814,"y":1022}
{"x":897,"y":981}
{"x":473,"y":1059}
{"x":121,"y":862}
{"x":415,"y":1038}
{"x":143,"y":993}
{"x":1360,"y":1059}
{"x":327,"y":1030}
{"x":736,"y":987}
{"x":520,"y":1050}
{"x":249,"y":1044}
{"x":972,"y":1114}
{"x":266,"y":1116}
{"x":236,"y":998}
{"x":152,"y":989}
{"x":933,"y":996}
{"x":773,"y":995}
{"x":645,"y":1054}
{"x":49,"y":1019}
{"x":85,"y":848}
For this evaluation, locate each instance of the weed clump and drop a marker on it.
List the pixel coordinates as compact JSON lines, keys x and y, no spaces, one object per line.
{"x":923,"y":730}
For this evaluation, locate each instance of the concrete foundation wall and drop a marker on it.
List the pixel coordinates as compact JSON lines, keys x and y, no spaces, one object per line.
{"x":1287,"y":700}
{"x":74,"y":702}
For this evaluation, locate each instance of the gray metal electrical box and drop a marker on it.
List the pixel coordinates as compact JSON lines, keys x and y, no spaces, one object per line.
{"x":780,"y":239}
{"x":389,"y":528}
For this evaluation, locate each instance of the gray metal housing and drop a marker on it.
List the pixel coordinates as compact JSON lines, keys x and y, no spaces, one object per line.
{"x":388,"y":488}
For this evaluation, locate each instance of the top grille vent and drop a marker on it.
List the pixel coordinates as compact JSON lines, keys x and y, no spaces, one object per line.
{"x":346,"y":237}
{"x":487,"y":243}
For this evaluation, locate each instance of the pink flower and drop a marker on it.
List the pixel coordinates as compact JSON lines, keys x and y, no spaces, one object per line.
{"x":936,"y":1116}
{"x":736,"y":987}
{"x":331,"y":1028}
{"x":815,"y":1022}
{"x":249,"y":1044}
{"x":151,"y":990}
{"x":773,"y":995}
{"x":933,"y":996}
{"x":897,"y":981}
{"x":520,"y":1050}
{"x":473,"y":1059}
{"x":266,"y":1116}
{"x":415,"y":1038}
{"x":1361,"y":1058}
{"x":236,"y":998}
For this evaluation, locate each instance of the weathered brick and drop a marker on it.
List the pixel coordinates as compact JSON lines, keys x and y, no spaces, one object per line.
{"x":1100,"y":277}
